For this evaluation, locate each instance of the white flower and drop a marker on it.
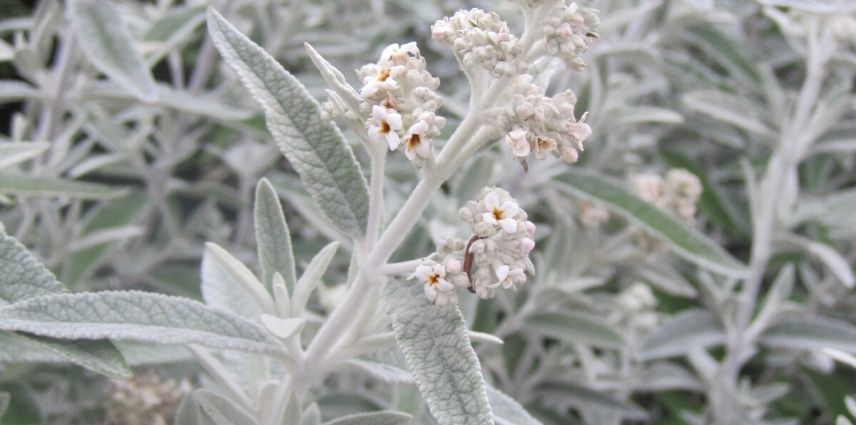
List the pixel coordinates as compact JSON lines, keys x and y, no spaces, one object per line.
{"x":416,"y":142}
{"x":526,"y":246}
{"x":507,"y":276}
{"x":399,"y":54}
{"x":381,"y":81}
{"x":543,"y":146}
{"x":438,"y":290}
{"x":516,"y":140}
{"x":501,"y":213}
{"x":384,"y":126}
{"x":579,"y":131}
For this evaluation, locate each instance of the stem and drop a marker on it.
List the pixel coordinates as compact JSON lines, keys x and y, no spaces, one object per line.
{"x":378,"y":164}
{"x":280,"y":402}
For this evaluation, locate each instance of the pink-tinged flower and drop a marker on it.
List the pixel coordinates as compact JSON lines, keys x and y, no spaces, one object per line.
{"x":516,"y":140}
{"x":438,"y":290}
{"x":526,"y":246}
{"x":506,"y":276}
{"x":384,"y":126}
{"x":501,"y":213}
{"x":543,"y":146}
{"x":569,"y":154}
{"x":416,"y":142}
{"x":579,"y":131}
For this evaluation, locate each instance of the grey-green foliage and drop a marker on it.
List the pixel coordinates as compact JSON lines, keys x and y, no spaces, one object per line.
{"x":23,"y":278}
{"x":376,"y":418}
{"x":205,"y":407}
{"x":312,"y":143}
{"x":686,"y":241}
{"x":437,"y":349}
{"x":135,"y":316}
{"x":273,"y":237}
{"x":108,"y":44}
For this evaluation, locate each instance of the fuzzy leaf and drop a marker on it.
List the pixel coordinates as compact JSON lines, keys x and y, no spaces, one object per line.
{"x":273,"y":238}
{"x":47,"y":186}
{"x":686,"y":241}
{"x":107,"y":43}
{"x":680,"y":333}
{"x":811,"y":333}
{"x":218,"y":410}
{"x":730,"y":109}
{"x":438,"y":353}
{"x":136,"y":316}
{"x":221,"y":289}
{"x":585,"y":398}
{"x":575,"y":327}
{"x":311,"y":277}
{"x":506,"y":411}
{"x":387,"y":417}
{"x":4,"y":403}
{"x":22,"y":278}
{"x":313,"y":145}
{"x":12,"y":153}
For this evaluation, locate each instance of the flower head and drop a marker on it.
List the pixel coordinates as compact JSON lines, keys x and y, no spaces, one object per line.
{"x":438,"y":290}
{"x":385,"y":125}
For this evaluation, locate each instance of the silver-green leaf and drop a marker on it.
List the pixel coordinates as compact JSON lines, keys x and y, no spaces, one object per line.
{"x":575,"y":327}
{"x":4,"y":403}
{"x":683,"y":331}
{"x":273,"y":238}
{"x":811,"y":333}
{"x":438,"y":353}
{"x":684,"y":240}
{"x":12,"y":153}
{"x":109,"y":46}
{"x":135,"y":316}
{"x":386,"y":417}
{"x":21,"y":185}
{"x":313,"y":144}
{"x":506,"y":411}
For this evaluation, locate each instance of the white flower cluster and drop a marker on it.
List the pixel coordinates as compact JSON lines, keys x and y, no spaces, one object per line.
{"x":480,"y":38}
{"x":497,"y":255}
{"x":568,"y":32}
{"x":502,"y":240}
{"x":541,"y":124}
{"x":637,"y":306}
{"x":401,"y":101}
{"x":678,"y":192}
{"x":592,"y":215}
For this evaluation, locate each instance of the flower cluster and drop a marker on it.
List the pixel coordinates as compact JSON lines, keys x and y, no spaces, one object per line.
{"x":400,"y":101}
{"x":678,"y":192}
{"x":497,"y":255}
{"x":480,"y":38}
{"x":636,"y":307}
{"x":145,"y":399}
{"x":502,"y":241}
{"x":543,"y":125}
{"x":568,"y":32}
{"x":592,"y":215}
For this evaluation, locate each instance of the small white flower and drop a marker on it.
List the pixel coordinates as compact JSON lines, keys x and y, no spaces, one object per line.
{"x":416,"y":142}
{"x":382,"y":81}
{"x":526,"y":246}
{"x":438,"y":290}
{"x":543,"y":146}
{"x":384,"y":126}
{"x":506,"y":276}
{"x":501,"y":213}
{"x":579,"y":131}
{"x":516,"y":140}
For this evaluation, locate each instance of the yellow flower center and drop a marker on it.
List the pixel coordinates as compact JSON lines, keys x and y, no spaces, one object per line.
{"x":433,"y":279}
{"x":498,"y":213}
{"x":383,"y":75}
{"x":414,"y":141}
{"x":384,"y":127}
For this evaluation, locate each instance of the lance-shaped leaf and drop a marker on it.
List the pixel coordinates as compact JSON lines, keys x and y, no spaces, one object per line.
{"x":22,"y":278}
{"x":313,"y":144}
{"x":683,"y":331}
{"x":311,"y":277}
{"x":811,"y":333}
{"x":575,"y":327}
{"x":273,"y":237}
{"x":12,"y":153}
{"x":205,"y":407}
{"x":684,"y":240}
{"x":387,"y":417}
{"x":506,"y":411}
{"x":583,"y":398}
{"x":108,"y":44}
{"x":438,"y":353}
{"x":135,"y":316}
{"x":11,"y":184}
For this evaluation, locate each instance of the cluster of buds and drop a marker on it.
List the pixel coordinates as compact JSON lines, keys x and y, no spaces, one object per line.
{"x":497,"y":254}
{"x":592,"y":215}
{"x":400,"y":102}
{"x":568,"y":32}
{"x":147,"y":399}
{"x":480,"y":38}
{"x":636,"y":307}
{"x":677,"y":193}
{"x":543,"y":125}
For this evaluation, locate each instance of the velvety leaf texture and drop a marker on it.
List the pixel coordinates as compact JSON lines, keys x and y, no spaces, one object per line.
{"x":136,"y":316}
{"x":678,"y":334}
{"x":313,"y":145}
{"x":438,"y":353}
{"x":108,"y":45}
{"x":507,"y":411}
{"x":374,"y":418}
{"x":686,"y":241}
{"x":273,"y":237}
{"x":811,"y":333}
{"x":48,"y":186}
{"x":22,"y":277}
